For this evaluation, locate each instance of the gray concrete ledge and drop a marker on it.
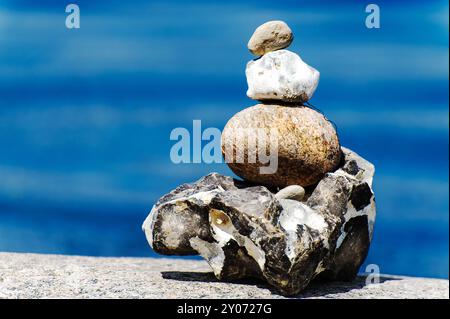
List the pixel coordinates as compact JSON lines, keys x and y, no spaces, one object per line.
{"x":54,"y":276}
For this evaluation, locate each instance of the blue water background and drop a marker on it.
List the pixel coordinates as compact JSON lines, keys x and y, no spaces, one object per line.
{"x":85,"y":115}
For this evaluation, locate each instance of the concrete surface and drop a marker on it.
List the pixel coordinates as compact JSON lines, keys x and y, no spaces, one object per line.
{"x":54,"y":276}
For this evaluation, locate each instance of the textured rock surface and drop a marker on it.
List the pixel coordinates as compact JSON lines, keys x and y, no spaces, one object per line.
{"x":307,"y":143}
{"x":283,"y":241}
{"x":183,"y":214}
{"x":281,"y":76}
{"x":52,"y":276}
{"x":270,"y":36}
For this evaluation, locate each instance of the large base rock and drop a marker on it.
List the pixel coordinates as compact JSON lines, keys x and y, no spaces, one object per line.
{"x":243,"y":230}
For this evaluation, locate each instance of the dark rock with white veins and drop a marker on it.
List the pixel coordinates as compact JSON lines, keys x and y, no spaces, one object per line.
{"x":183,"y":213}
{"x":244,"y":230}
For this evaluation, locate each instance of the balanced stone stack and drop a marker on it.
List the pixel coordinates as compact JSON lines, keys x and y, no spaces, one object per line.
{"x":307,"y":143}
{"x":312,"y":217}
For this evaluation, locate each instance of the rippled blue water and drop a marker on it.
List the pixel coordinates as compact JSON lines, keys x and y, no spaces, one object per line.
{"x":85,"y":115}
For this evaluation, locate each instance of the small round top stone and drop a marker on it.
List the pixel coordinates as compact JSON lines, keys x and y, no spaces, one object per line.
{"x":270,"y":36}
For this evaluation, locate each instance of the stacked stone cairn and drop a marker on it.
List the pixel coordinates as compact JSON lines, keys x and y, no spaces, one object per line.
{"x":309,"y":217}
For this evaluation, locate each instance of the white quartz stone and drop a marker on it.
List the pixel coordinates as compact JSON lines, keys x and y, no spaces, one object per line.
{"x":281,"y":75}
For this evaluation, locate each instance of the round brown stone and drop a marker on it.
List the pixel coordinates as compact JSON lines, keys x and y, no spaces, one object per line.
{"x":306,"y":142}
{"x":270,"y":36}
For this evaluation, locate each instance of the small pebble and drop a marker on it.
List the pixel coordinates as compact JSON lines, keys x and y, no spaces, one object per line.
{"x":295,"y":192}
{"x":270,"y":36}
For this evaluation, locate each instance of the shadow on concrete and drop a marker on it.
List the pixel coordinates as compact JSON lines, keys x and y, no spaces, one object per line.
{"x":322,"y":288}
{"x":207,"y":277}
{"x":189,"y":276}
{"x":315,"y":288}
